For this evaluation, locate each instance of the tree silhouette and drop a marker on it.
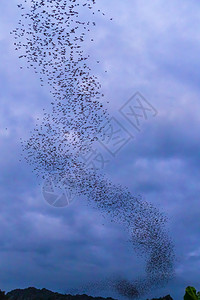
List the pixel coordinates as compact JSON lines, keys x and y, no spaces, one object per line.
{"x":3,"y":296}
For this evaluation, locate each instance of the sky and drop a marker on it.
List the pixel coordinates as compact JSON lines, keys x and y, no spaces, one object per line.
{"x":150,"y":47}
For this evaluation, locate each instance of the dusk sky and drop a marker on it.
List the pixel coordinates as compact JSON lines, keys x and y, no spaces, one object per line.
{"x":150,"y":47}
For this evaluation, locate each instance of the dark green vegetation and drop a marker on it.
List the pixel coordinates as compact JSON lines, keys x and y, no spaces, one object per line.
{"x":191,"y":294}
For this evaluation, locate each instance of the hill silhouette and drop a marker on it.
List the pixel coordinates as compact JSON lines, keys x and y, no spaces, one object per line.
{"x":33,"y":293}
{"x":168,"y":297}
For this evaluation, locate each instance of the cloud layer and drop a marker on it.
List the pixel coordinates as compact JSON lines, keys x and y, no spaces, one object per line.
{"x":149,"y":47}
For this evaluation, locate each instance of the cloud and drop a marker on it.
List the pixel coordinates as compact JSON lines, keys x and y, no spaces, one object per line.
{"x":152,"y":47}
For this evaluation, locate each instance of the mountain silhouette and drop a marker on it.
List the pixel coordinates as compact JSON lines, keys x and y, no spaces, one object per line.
{"x":33,"y":293}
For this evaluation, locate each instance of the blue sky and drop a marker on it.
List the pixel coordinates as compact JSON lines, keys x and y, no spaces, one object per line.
{"x":149,"y":47}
